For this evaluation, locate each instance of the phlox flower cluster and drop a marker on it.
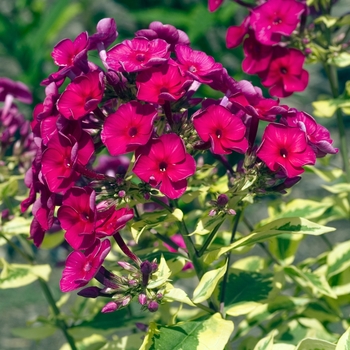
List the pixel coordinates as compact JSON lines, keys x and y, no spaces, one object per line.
{"x":137,"y":105}
{"x":266,"y":34}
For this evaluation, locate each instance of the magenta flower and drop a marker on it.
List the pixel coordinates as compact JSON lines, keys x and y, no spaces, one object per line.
{"x":167,"y":32}
{"x":197,"y":64}
{"x":235,"y":34}
{"x":222,"y":129}
{"x":15,"y":89}
{"x":285,"y":74}
{"x":137,"y":54}
{"x":164,"y":83}
{"x":81,"y":96}
{"x":257,"y":56}
{"x":105,"y":35}
{"x":77,"y":216}
{"x":111,"y":220}
{"x":285,"y":148}
{"x":318,"y":136}
{"x":274,"y":18}
{"x":82,"y":267}
{"x":60,"y":158}
{"x":165,"y":163}
{"x":71,"y":55}
{"x":128,"y":128}
{"x":213,"y":5}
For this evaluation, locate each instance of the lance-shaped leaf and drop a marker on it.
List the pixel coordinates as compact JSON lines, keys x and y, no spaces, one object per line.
{"x":35,"y":333}
{"x":177,"y":294}
{"x":201,"y":334}
{"x":309,"y":279}
{"x":274,"y":228}
{"x":265,"y":343}
{"x":160,"y":276}
{"x":344,"y":341}
{"x":208,"y":224}
{"x":208,"y":283}
{"x":315,"y":344}
{"x":338,"y":188}
{"x":338,"y":259}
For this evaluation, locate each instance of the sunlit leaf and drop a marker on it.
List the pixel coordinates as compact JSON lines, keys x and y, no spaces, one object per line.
{"x":315,"y":344}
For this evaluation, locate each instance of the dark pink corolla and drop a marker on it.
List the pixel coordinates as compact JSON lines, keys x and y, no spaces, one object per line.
{"x":318,"y":136}
{"x":61,"y":157}
{"x":159,"y":84}
{"x":213,"y":5}
{"x":15,"y":89}
{"x":165,"y":163}
{"x":285,"y":74}
{"x":81,"y":96}
{"x":197,"y":64}
{"x":274,"y":18}
{"x":137,"y":54}
{"x":77,"y":216}
{"x":82,"y":267}
{"x":128,"y":128}
{"x":110,"y":220}
{"x":69,"y":54}
{"x":167,"y":32}
{"x":257,"y":56}
{"x":235,"y":34}
{"x":222,"y":129}
{"x":285,"y":148}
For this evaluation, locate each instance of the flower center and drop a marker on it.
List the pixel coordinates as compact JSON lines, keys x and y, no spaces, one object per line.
{"x":162,"y":166}
{"x":132,"y":131}
{"x":192,"y":69}
{"x":277,"y":20}
{"x":164,"y":89}
{"x":283,"y":153}
{"x":140,"y":57}
{"x":218,"y":133}
{"x":283,"y":70}
{"x":84,"y":217}
{"x":67,"y":163}
{"x":87,"y":266}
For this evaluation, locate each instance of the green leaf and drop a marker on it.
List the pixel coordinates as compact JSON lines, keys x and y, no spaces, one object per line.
{"x":34,"y":333}
{"x":208,"y":283}
{"x":275,"y":228}
{"x":338,"y":188}
{"x":341,"y":60}
{"x":326,"y":175}
{"x":18,"y":275}
{"x":161,"y":276}
{"x":52,"y":240}
{"x":284,"y":247}
{"x":329,"y":21}
{"x":8,"y":189}
{"x":94,"y":342}
{"x":207,"y":224}
{"x":317,"y":283}
{"x":242,"y":308}
{"x":265,"y":343}
{"x":17,"y":226}
{"x":208,"y":334}
{"x":177,"y":294}
{"x":130,"y":342}
{"x":344,"y":341}
{"x":315,"y":344}
{"x":338,"y":259}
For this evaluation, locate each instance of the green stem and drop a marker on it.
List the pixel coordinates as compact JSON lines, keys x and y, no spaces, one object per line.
{"x":333,"y":80}
{"x":228,"y":257}
{"x":205,"y":308}
{"x":26,"y":257}
{"x":59,"y":322}
{"x":210,"y":239}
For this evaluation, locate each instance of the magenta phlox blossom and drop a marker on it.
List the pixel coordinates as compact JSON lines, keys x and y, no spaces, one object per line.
{"x":160,"y":84}
{"x":165,"y":163}
{"x":224,"y":130}
{"x":81,"y":96}
{"x":257,"y":56}
{"x":318,"y":136}
{"x":128,"y":128}
{"x":235,"y":34}
{"x":77,"y":216}
{"x":82,"y":267}
{"x":275,"y":18}
{"x":137,"y":54}
{"x":15,"y":89}
{"x":213,"y":5}
{"x":72,"y":55}
{"x":285,"y":148}
{"x":111,"y":220}
{"x":285,"y":73}
{"x":167,"y":32}
{"x":60,"y":158}
{"x":105,"y":35}
{"x":197,"y":64}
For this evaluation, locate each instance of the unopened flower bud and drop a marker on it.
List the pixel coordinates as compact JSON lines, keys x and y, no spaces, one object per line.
{"x":143,"y":299}
{"x":126,"y":300}
{"x":147,"y":196}
{"x":127,"y":266}
{"x":222,"y":200}
{"x":110,"y":307}
{"x":212,"y":212}
{"x":231,"y":212}
{"x":153,"y":306}
{"x":159,"y":295}
{"x":146,"y":270}
{"x":122,"y":194}
{"x":141,"y":326}
{"x":90,"y":292}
